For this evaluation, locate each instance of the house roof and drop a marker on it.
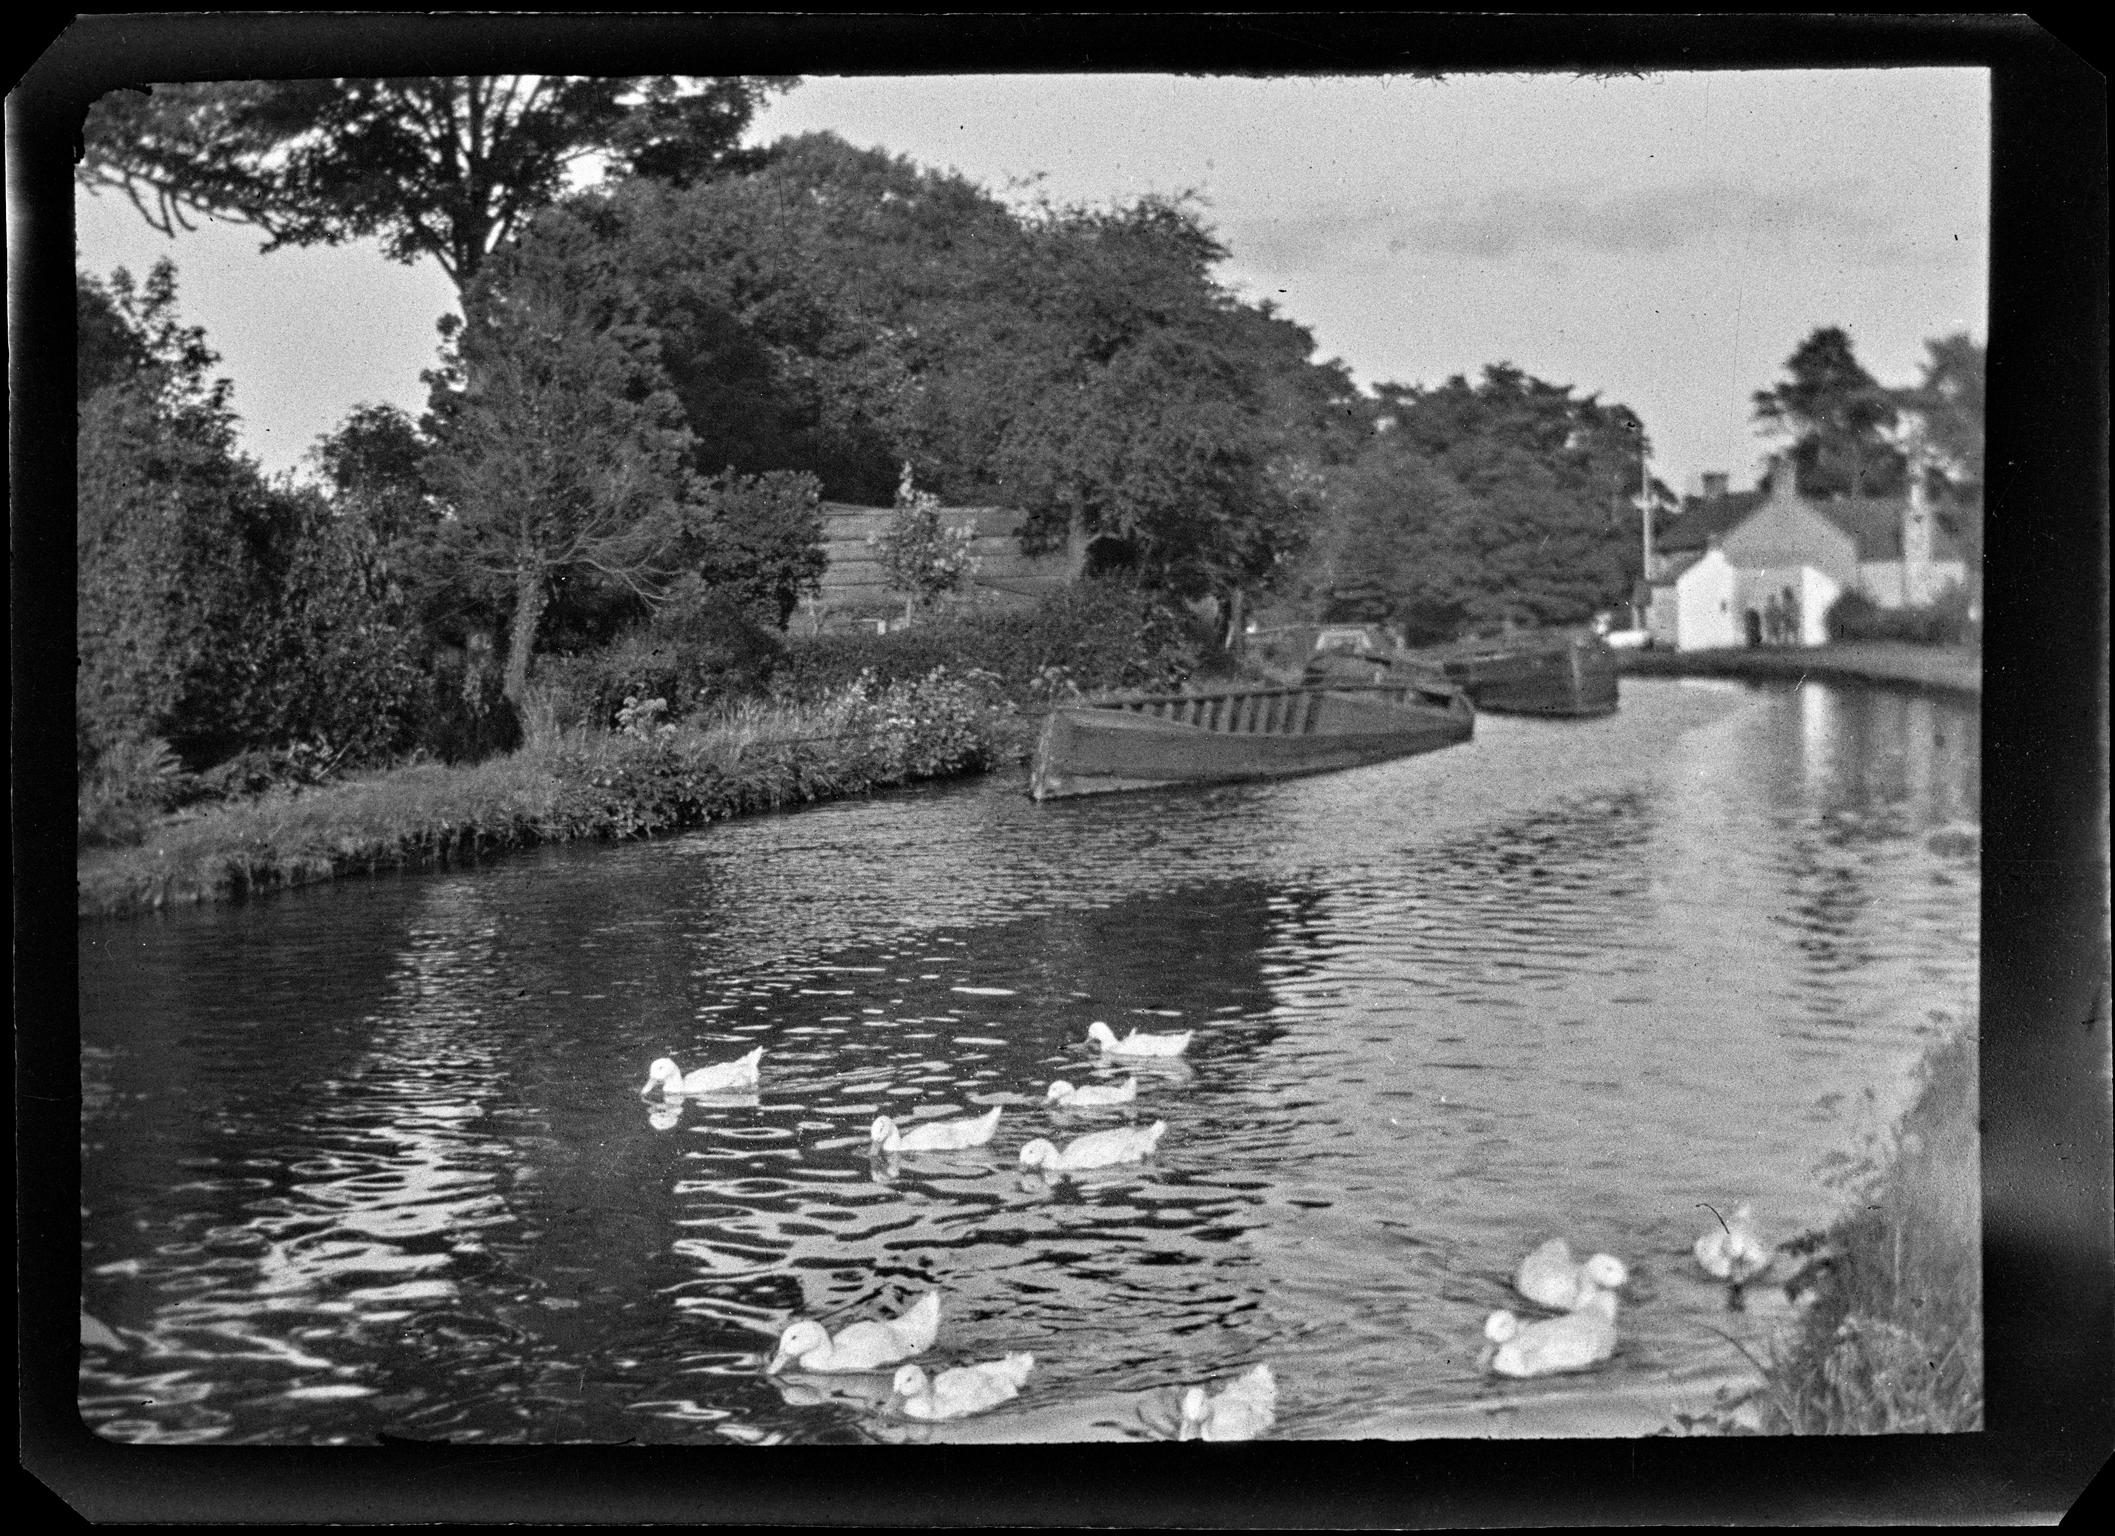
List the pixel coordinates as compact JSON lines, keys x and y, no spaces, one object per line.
{"x":1700,"y":521}
{"x":1873,"y":522}
{"x":1672,"y":566}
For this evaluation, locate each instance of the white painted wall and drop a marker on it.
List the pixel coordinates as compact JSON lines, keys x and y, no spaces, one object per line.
{"x":1705,"y":616}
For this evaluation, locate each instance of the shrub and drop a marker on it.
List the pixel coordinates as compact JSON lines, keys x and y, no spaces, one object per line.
{"x":1090,"y":637}
{"x":693,"y":655}
{"x":1945,"y":620}
{"x":130,"y":784}
{"x":1893,"y":1343}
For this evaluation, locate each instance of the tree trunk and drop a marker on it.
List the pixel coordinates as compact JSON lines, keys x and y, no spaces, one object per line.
{"x":529,"y":601}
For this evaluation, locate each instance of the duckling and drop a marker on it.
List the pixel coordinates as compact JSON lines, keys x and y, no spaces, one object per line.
{"x":1579,"y":1340}
{"x":1065,"y":1096}
{"x":966,"y":1389}
{"x":938,"y":1136}
{"x":1098,"y":1149}
{"x":1734,"y":1250}
{"x":861,"y":1346}
{"x":728,"y":1077}
{"x":1245,"y":1409}
{"x":1137,"y":1043}
{"x":1551,"y":1278}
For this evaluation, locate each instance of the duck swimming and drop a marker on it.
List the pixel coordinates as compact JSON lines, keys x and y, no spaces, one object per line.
{"x":938,"y":1136}
{"x":1579,"y":1340}
{"x":1137,"y":1043}
{"x":861,"y":1346}
{"x":1065,"y":1096}
{"x":1097,"y":1149}
{"x":727,"y":1077}
{"x":965,"y":1390}
{"x":1551,"y":1278}
{"x":1734,"y":1251}
{"x":1245,"y":1409}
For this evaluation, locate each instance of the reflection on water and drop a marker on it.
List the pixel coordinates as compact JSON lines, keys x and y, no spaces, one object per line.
{"x":375,"y":1158}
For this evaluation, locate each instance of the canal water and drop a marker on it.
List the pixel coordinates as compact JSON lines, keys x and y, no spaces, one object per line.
{"x":373,"y":1158}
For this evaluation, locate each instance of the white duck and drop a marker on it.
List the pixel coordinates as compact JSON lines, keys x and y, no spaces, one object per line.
{"x":1137,"y":1043}
{"x":1734,"y":1251}
{"x":1098,"y":1149}
{"x":1245,"y":1409}
{"x":938,"y":1136}
{"x":965,"y":1390}
{"x":728,"y":1077}
{"x":1579,"y":1340}
{"x":1551,"y":1277}
{"x":861,"y":1346}
{"x":1065,"y":1096}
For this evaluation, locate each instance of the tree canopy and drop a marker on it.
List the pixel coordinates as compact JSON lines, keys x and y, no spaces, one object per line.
{"x":1946,"y":406}
{"x":568,"y":451}
{"x":843,"y":310}
{"x":439,"y":166}
{"x":1836,"y":418}
{"x":1507,"y":499}
{"x":213,"y":609}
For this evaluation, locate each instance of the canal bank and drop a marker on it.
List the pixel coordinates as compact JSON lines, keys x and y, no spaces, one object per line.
{"x":594,"y":785}
{"x":1955,"y":670}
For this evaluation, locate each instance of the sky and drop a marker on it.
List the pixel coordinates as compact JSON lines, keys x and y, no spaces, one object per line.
{"x":1663,"y":241}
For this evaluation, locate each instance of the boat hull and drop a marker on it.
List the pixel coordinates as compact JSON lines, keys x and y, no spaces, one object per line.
{"x":1156,"y":741}
{"x":1551,"y":673}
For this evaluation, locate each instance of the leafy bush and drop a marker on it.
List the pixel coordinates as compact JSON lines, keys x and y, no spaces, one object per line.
{"x":1944,"y":621}
{"x":1090,"y":637}
{"x":130,"y":784}
{"x":692,"y":655}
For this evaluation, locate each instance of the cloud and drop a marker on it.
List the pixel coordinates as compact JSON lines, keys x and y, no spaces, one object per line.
{"x":1544,"y":222}
{"x":1509,"y":223}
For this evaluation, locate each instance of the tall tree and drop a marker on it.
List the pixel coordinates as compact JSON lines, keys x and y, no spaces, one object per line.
{"x":568,"y":452}
{"x":1945,"y":408}
{"x":1551,"y":477}
{"x":441,"y":166}
{"x":1836,"y":418}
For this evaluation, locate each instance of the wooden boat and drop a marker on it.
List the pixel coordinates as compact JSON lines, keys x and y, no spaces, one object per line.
{"x":1529,"y":672}
{"x":1147,"y":741}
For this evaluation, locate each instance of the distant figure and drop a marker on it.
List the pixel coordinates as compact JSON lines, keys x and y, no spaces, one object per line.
{"x":1755,"y":627}
{"x":1791,"y":617}
{"x":1774,"y":620}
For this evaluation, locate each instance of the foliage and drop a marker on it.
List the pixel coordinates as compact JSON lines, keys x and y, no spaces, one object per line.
{"x":131,"y":782}
{"x":1945,"y":407}
{"x":1893,"y":1340}
{"x":213,"y":610}
{"x":690,"y":657}
{"x":842,"y":311}
{"x":1837,"y":418}
{"x":1944,"y":621}
{"x":341,"y":670}
{"x":569,"y":454}
{"x":920,"y":554}
{"x":754,"y":757}
{"x":1480,"y":503}
{"x":1092,"y":637}
{"x":754,"y":543}
{"x":446,"y":167}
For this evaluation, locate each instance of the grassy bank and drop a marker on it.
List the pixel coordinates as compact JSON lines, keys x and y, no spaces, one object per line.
{"x":1892,"y":1342}
{"x":1954,"y":669}
{"x":650,"y":778}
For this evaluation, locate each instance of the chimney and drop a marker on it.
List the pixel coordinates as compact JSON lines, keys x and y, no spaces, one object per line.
{"x":1714,"y":484}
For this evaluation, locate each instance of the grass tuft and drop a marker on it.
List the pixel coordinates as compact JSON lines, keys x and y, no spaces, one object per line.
{"x":1893,"y":1341}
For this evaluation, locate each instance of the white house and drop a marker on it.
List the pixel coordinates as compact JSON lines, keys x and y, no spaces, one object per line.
{"x":1804,"y":554}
